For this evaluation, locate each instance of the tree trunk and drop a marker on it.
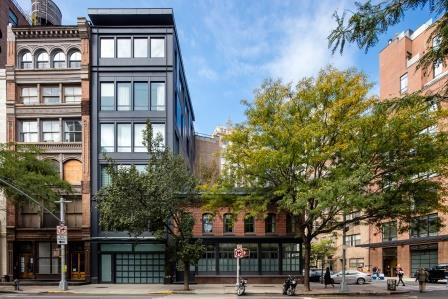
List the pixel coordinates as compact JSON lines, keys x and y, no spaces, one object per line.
{"x":306,"y":268}
{"x":186,"y":276}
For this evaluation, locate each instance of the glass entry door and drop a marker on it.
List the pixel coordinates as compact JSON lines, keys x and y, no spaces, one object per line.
{"x":26,"y":265}
{"x":77,"y":265}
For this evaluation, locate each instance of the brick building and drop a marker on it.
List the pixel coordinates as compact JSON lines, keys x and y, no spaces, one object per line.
{"x":424,"y":245}
{"x":47,"y":105}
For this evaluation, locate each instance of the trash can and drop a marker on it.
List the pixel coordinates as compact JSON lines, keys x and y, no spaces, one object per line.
{"x":391,"y":284}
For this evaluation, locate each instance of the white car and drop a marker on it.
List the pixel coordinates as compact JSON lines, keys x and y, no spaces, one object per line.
{"x":352,"y":277}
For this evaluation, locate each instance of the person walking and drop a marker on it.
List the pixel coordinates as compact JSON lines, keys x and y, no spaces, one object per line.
{"x":400,"y":274}
{"x":327,"y":278}
{"x":421,"y":276}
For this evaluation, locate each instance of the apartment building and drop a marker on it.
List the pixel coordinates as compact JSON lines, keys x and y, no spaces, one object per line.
{"x":137,"y":75}
{"x":47,"y":105}
{"x":425,"y":244}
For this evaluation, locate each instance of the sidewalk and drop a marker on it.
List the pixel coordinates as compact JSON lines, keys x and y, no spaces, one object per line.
{"x":202,"y":289}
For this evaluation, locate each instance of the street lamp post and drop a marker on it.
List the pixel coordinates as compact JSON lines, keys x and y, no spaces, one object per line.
{"x":63,"y":286}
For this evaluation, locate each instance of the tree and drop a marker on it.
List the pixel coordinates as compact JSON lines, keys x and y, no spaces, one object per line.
{"x":156,"y":200}
{"x":325,"y":148}
{"x":321,"y":250}
{"x":24,"y":167}
{"x":369,"y":20}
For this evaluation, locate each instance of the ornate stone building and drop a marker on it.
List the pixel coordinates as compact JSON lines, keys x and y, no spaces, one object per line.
{"x":47,"y":105}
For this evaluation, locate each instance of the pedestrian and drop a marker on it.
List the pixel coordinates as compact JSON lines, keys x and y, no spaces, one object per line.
{"x":400,"y":274}
{"x":421,"y":276}
{"x":327,"y":278}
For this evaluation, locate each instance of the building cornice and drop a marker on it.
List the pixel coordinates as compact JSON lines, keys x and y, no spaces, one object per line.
{"x":411,"y":241}
{"x":46,"y":32}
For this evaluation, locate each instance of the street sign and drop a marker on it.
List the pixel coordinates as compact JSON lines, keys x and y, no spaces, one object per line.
{"x":240,"y":252}
{"x":61,"y":231}
{"x":62,"y":240}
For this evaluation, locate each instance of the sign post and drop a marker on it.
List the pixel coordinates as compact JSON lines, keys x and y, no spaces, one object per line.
{"x":62,"y":240}
{"x":239,"y":252}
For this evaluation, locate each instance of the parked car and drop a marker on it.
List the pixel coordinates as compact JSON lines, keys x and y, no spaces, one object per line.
{"x":438,"y":272}
{"x":315,"y":274}
{"x":352,"y":277}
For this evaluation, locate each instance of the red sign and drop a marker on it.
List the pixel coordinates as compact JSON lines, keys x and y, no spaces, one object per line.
{"x":240,"y":252}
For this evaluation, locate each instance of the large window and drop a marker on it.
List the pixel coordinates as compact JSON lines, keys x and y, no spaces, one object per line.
{"x":29,"y":131}
{"x":107,"y":137}
{"x":158,"y":131}
{"x":105,"y":177}
{"x":157,"y":47}
{"x":404,"y":83}
{"x":72,"y":94}
{"x":270,"y":223}
{"x":423,"y":256}
{"x":75,"y":60}
{"x":269,"y":257}
{"x":291,"y":257}
{"x":123,"y":47}
{"x":425,"y":226}
{"x":59,"y":60}
{"x":157,"y":96}
{"x":29,"y":95}
{"x":43,"y":61}
{"x":107,"y":96}
{"x":73,"y":172}
{"x":249,"y":224}
{"x":51,"y":95}
{"x":228,"y":223}
{"x":124,"y":137}
{"x":207,"y":223}
{"x":207,"y":263}
{"x":227,"y":262}
{"x":355,"y":263}
{"x":353,"y":240}
{"x":389,"y":231}
{"x":141,"y":98}
{"x":140,"y":47}
{"x":138,"y":138}
{"x":107,"y":48}
{"x":178,"y":114}
{"x":250,"y":262}
{"x":26,"y":61}
{"x":51,"y":131}
{"x":47,"y":263}
{"x":72,"y":131}
{"x":124,"y":96}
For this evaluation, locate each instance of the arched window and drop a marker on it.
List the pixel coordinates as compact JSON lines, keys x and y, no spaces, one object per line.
{"x":291,"y":224}
{"x":75,"y":60}
{"x":56,"y":167}
{"x":207,"y":223}
{"x":73,"y":172}
{"x":228,"y":223}
{"x":270,"y":223}
{"x":249,"y":224}
{"x":59,"y":60}
{"x":43,"y":61}
{"x":26,"y":61}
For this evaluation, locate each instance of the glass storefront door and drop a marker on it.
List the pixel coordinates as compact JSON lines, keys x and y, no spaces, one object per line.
{"x":77,"y":265}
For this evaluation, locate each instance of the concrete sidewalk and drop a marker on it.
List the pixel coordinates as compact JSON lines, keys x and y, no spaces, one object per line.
{"x":202,"y":289}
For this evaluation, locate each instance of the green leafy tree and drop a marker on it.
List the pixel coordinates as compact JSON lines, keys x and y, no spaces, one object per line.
{"x":156,"y":199}
{"x":322,"y":249}
{"x":325,"y":148}
{"x":373,"y":18}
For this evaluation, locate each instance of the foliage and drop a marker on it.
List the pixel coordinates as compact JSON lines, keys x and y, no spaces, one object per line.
{"x":369,"y":20}
{"x":155,"y":199}
{"x":325,"y":148}
{"x":24,"y":167}
{"x":322,"y":249}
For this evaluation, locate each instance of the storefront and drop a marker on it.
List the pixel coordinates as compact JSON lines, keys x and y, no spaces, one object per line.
{"x":423,"y":256}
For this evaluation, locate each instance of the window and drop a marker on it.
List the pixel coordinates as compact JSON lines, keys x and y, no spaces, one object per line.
{"x":207,"y":223}
{"x":250,"y":262}
{"x":438,"y":68}
{"x":59,"y":60}
{"x":105,"y":176}
{"x":123,"y":47}
{"x":27,"y":61}
{"x":249,"y":226}
{"x":51,"y":131}
{"x":124,"y":137}
{"x":269,"y":257}
{"x":270,"y":223}
{"x":423,"y":256}
{"x":158,"y":96}
{"x":73,"y":172}
{"x":353,"y":240}
{"x":124,"y":96}
{"x":159,"y":130}
{"x":291,"y":257}
{"x":140,"y":47}
{"x":75,"y":60}
{"x":207,"y":263}
{"x":228,"y":223}
{"x":356,"y":263}
{"x":47,"y":263}
{"x":291,"y":224}
{"x":107,"y":48}
{"x":72,"y":94}
{"x":157,"y":47}
{"x":425,"y":226}
{"x":141,"y":98}
{"x":12,"y":18}
{"x":107,"y":96}
{"x":43,"y":61}
{"x":50,"y":95}
{"x":404,"y":83}
{"x":29,"y":96}
{"x":389,"y":231}
{"x":72,"y":131}
{"x":29,"y":131}
{"x":227,"y":262}
{"x":138,"y":138}
{"x":107,"y":137}
{"x":178,"y":114}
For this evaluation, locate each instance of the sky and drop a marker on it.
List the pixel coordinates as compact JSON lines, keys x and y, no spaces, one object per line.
{"x":230,"y":47}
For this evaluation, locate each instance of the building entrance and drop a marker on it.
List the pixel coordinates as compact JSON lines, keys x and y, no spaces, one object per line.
{"x":389,"y":261}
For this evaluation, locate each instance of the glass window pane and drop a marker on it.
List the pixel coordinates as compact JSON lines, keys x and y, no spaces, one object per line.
{"x":124,"y":96}
{"x":106,"y":268}
{"x":107,"y":137}
{"x":157,"y":47}
{"x":50,"y":95}
{"x":159,"y":130}
{"x":107,"y":48}
{"x":107,"y":96}
{"x":72,"y":94}
{"x":141,"y":99}
{"x":158,"y":96}
{"x":140,"y":47}
{"x":124,"y":47}
{"x":124,"y":137}
{"x":51,"y":131}
{"x":138,"y":138}
{"x":72,"y":131}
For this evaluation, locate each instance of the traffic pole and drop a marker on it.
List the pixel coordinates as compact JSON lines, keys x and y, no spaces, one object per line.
{"x":237,"y":272}
{"x":63,"y":286}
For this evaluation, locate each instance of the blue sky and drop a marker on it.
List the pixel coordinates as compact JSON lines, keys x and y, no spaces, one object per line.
{"x":230,"y":47}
